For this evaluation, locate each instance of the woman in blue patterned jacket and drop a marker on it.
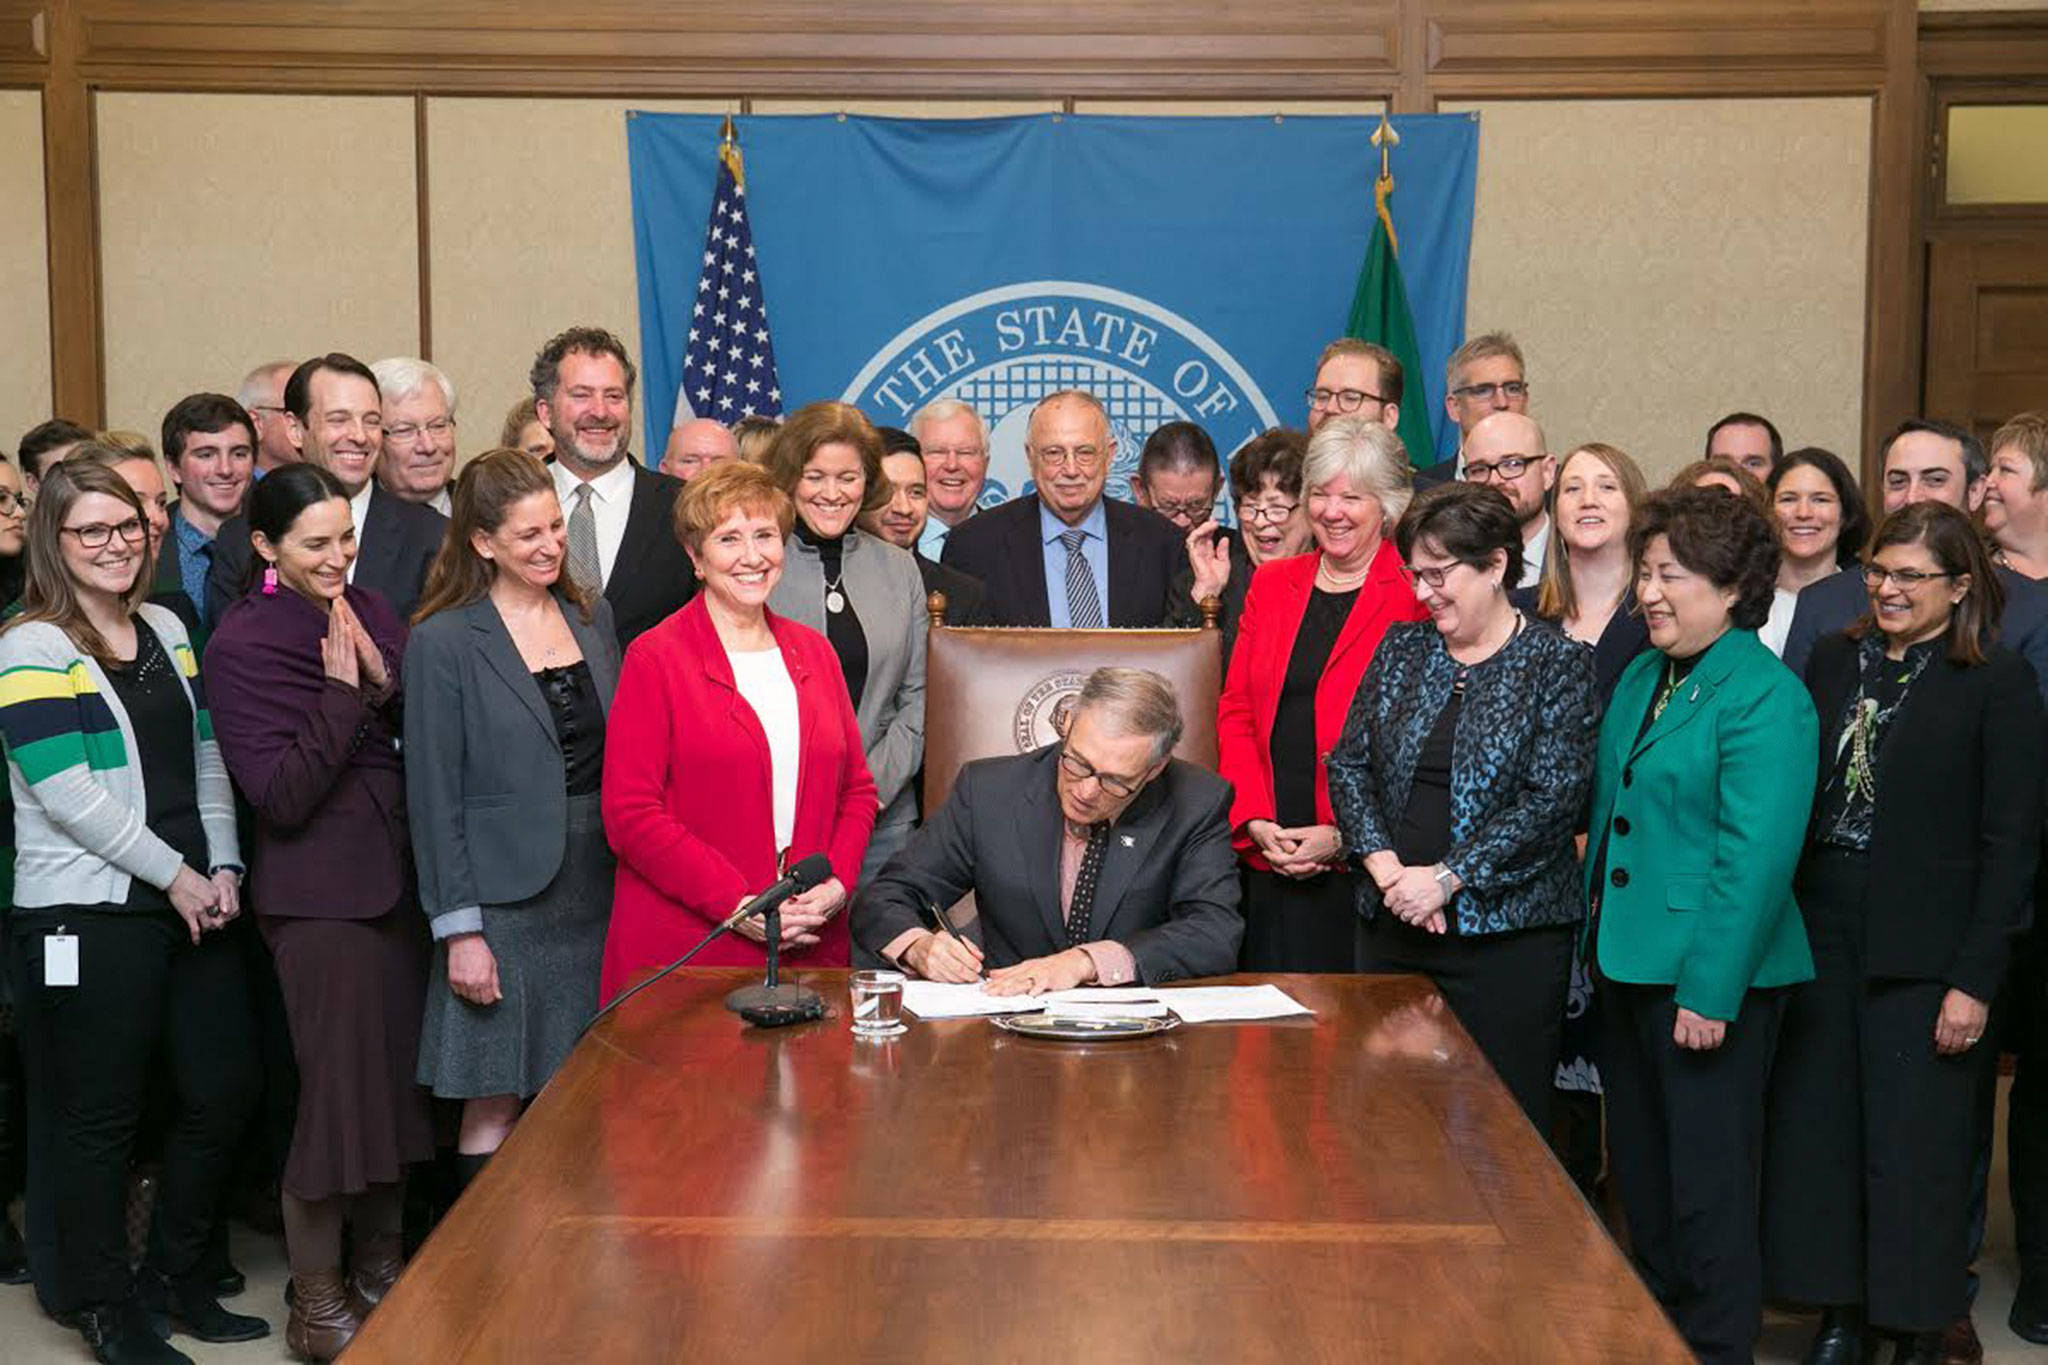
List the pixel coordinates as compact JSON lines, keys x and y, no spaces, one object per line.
{"x":1458,"y":784}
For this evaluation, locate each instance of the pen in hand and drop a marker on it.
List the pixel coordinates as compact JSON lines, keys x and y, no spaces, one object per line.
{"x":946,"y":923}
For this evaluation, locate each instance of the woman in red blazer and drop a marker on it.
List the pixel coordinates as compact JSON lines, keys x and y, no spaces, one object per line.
{"x":1310,"y":626}
{"x":731,"y":750}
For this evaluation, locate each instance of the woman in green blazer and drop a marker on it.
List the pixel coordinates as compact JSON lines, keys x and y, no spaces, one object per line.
{"x":1701,"y":791}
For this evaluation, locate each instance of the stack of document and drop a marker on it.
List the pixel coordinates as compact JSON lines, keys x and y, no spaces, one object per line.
{"x":1194,"y":1004}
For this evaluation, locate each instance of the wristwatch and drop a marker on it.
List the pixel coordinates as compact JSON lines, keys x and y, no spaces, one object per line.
{"x":1443,"y":880}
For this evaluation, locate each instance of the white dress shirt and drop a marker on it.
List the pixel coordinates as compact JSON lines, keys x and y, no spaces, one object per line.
{"x":611,"y":499}
{"x":764,"y":683}
{"x":359,"y":512}
{"x":1535,"y":545}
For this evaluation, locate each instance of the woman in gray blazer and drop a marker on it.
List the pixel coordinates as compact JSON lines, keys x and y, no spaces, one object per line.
{"x":861,"y":593}
{"x":508,"y":676}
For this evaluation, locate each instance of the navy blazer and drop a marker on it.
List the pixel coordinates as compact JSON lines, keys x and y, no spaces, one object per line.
{"x":1167,"y":891}
{"x":1002,"y":548}
{"x":1521,"y":764}
{"x":1840,"y":600}
{"x":485,"y":780}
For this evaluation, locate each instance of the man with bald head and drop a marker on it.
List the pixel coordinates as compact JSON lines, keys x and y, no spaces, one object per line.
{"x":1063,"y":555}
{"x":1507,"y":451}
{"x":262,"y":395}
{"x":694,"y":445}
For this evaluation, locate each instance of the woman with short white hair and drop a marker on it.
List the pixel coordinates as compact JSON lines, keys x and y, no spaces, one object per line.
{"x":1310,"y":626}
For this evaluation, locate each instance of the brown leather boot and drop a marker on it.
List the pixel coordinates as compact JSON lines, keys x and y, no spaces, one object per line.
{"x":373,"y":1270}
{"x":321,"y":1323}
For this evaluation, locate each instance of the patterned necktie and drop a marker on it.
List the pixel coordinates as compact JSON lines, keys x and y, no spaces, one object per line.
{"x":1084,"y":608}
{"x":1082,"y":904}
{"x":584,"y":567}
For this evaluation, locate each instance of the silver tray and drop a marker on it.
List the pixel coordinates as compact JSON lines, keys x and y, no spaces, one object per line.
{"x":1043,"y":1025}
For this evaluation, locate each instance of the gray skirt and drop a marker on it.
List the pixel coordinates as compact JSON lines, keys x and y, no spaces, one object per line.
{"x":550,"y":950}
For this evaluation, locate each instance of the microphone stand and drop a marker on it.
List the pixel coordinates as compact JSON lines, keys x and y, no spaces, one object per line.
{"x":774,"y":1003}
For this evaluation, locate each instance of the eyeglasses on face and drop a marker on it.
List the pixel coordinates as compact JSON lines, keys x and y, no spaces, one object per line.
{"x":406,"y":433}
{"x":1194,"y":509}
{"x":1080,"y":769}
{"x":94,"y":535}
{"x":1434,"y":575}
{"x":1339,"y":400}
{"x":1272,"y":513}
{"x":12,"y":504}
{"x":1874,"y":576}
{"x":1506,"y":469}
{"x":1509,"y":390}
{"x":1083,"y":458}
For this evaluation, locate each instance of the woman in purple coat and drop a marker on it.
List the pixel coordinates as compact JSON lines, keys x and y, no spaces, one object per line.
{"x":305,"y":676}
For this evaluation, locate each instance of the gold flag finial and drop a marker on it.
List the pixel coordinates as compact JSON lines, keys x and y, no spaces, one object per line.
{"x":1386,"y":139}
{"x":729,"y":150}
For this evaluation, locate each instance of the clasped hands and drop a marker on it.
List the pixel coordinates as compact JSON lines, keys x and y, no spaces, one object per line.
{"x":349,"y":655}
{"x":205,"y":903}
{"x":803,"y":915}
{"x":1412,"y":895}
{"x":1301,"y":851}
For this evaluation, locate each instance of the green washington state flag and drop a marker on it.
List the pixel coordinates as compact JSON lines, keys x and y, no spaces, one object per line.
{"x":1379,"y":313}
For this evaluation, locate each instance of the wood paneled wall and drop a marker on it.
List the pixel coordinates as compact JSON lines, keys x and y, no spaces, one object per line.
{"x":1410,"y":53}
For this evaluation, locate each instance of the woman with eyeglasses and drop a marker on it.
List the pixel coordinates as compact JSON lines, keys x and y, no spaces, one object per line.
{"x":733,"y":750}
{"x":1916,"y":880}
{"x":509,"y":672}
{"x":305,"y":670}
{"x":1458,"y":784}
{"x":126,"y":868}
{"x":1310,"y":626}
{"x":1822,"y":524}
{"x":1701,"y":786}
{"x":1272,"y":523}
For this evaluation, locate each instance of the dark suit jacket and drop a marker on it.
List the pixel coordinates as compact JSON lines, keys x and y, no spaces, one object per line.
{"x":1002,"y":548}
{"x":1957,"y":825}
{"x":652,"y":577}
{"x":1168,"y":890}
{"x":485,"y":780}
{"x":168,"y":588}
{"x":399,"y":539}
{"x":1840,"y":601}
{"x":1440,"y":473}
{"x":317,"y":761}
{"x":1187,"y":612}
{"x":963,"y":593}
{"x":1624,"y":637}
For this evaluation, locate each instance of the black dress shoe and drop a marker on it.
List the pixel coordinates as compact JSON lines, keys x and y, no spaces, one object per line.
{"x":2029,"y":1316}
{"x":229,"y":1283}
{"x":120,"y":1334}
{"x":194,"y":1311}
{"x":1843,"y":1339}
{"x":13,"y":1253}
{"x":1921,"y":1348}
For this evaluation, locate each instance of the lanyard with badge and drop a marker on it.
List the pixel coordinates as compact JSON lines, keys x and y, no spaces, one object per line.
{"x":60,"y":958}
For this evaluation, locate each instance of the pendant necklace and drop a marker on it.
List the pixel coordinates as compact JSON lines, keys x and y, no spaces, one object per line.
{"x":834,"y":601}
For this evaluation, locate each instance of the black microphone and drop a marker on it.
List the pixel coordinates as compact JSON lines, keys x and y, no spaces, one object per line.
{"x":798,"y":879}
{"x":773,"y":1004}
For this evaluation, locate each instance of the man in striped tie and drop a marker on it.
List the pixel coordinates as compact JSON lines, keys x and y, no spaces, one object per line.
{"x":1065,"y":556}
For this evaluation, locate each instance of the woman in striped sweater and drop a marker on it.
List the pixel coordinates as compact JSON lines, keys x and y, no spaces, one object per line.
{"x":125,"y":865}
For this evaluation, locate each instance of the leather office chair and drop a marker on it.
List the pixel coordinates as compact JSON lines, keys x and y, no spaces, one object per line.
{"x":991,"y":691}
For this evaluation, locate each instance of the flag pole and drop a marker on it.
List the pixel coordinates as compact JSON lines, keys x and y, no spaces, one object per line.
{"x":729,"y":150}
{"x":1386,"y":139}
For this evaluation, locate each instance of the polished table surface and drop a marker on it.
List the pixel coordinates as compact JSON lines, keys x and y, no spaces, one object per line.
{"x":1356,"y":1187}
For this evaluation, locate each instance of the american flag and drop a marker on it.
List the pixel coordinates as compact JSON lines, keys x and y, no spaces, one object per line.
{"x":729,"y":363}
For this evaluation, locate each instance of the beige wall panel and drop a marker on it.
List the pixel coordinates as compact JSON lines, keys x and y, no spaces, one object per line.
{"x":1228,"y":108}
{"x":1665,"y":261}
{"x":516,"y":256}
{"x":24,"y":267}
{"x":236,"y":229}
{"x":1963,"y":5}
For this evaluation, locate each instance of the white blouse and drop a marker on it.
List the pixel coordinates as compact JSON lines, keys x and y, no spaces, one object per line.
{"x":764,"y":684}
{"x":1779,"y":623}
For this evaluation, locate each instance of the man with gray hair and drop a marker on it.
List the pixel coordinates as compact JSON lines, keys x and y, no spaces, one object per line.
{"x":1098,"y":860}
{"x":262,"y":395}
{"x":419,"y":431}
{"x":1063,"y":555}
{"x":953,"y":440}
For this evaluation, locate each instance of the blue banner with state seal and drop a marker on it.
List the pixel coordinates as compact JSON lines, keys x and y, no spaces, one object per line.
{"x":1178,"y":268}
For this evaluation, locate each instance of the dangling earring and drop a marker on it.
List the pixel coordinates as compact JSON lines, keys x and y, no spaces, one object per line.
{"x":270,"y":581}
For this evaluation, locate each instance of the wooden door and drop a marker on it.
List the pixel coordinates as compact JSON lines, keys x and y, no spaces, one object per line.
{"x":1987,"y":326}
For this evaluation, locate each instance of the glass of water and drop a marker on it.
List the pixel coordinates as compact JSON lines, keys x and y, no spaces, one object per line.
{"x":877,"y":1004}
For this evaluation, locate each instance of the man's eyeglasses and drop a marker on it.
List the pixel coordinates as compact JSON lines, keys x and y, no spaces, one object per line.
{"x":1194,"y":509}
{"x":407,"y":433}
{"x":1874,"y":576}
{"x":1339,"y":400}
{"x":1434,"y":576}
{"x":1272,"y":513}
{"x":95,"y":535}
{"x":1080,"y":769}
{"x":1484,"y":393}
{"x":1083,"y":458}
{"x":954,"y":453}
{"x":1506,"y":469}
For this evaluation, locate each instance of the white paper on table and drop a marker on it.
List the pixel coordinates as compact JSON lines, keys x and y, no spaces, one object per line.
{"x":962,"y":1000}
{"x":1108,"y":995}
{"x":1077,"y":1006}
{"x":1218,"y":1004}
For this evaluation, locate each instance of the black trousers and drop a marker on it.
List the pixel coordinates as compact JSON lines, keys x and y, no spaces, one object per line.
{"x":1871,"y":1135}
{"x":1685,"y":1148}
{"x":2025,"y":1030}
{"x":147,"y":997}
{"x":1508,"y":991}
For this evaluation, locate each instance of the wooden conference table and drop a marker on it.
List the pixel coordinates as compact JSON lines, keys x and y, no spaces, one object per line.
{"x":1359,"y":1187}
